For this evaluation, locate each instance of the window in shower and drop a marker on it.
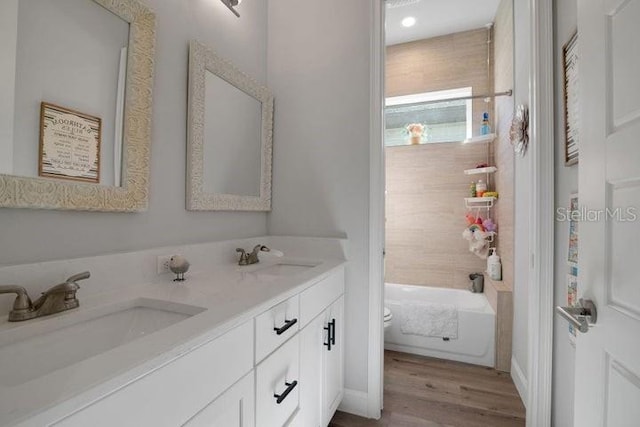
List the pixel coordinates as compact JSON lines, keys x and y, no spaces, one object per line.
{"x":444,"y":117}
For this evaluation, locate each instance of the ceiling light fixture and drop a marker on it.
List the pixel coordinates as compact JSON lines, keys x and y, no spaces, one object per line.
{"x":409,"y":21}
{"x":231,"y":4}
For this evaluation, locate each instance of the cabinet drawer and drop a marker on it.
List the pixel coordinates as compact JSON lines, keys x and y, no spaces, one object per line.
{"x":317,"y":298}
{"x":277,"y":386}
{"x":171,"y":394}
{"x":275,"y":326}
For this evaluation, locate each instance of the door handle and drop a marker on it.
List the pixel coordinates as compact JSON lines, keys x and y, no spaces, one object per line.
{"x":582,"y":316}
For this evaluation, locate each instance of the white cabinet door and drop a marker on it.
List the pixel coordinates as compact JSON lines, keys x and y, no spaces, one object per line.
{"x":311,"y":355}
{"x":234,"y":408}
{"x":333,"y":355}
{"x":176,"y":391}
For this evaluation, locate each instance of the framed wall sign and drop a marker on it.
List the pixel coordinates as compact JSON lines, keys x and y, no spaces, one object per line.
{"x":571,"y":100}
{"x":69,"y":144}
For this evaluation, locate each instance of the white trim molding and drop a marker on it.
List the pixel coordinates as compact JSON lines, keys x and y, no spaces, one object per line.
{"x":520,"y":380}
{"x":376,"y":217}
{"x":538,"y":386}
{"x":541,"y":278}
{"x":355,"y":402}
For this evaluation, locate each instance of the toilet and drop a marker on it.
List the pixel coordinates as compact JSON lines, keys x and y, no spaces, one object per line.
{"x":387,"y":318}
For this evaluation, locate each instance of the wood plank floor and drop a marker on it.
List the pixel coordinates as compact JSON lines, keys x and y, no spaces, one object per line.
{"x":425,"y":392}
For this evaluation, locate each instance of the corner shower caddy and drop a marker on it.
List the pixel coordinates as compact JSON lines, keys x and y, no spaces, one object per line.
{"x":477,"y":203}
{"x":481,"y":202}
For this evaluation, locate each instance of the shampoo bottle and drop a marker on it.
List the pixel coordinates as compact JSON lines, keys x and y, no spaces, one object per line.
{"x":481,"y":188}
{"x":485,"y":129}
{"x":494,"y":267}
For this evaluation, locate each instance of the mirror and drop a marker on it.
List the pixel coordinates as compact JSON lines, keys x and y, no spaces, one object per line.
{"x":230,"y":136}
{"x":75,"y":104}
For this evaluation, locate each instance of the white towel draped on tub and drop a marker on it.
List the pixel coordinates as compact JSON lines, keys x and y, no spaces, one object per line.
{"x":430,"y":320}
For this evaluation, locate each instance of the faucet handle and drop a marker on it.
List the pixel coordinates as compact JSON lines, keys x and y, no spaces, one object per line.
{"x":65,"y":287}
{"x":80,"y":276}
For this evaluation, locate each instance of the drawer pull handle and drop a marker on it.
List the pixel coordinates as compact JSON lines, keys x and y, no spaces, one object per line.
{"x":331,"y":334}
{"x":290,"y":387}
{"x":287,"y":325}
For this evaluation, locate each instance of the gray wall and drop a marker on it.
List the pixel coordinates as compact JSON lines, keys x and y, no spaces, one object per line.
{"x":522,"y":185}
{"x":30,"y":235}
{"x":319,"y":71}
{"x":566,"y":183}
{"x":8,"y":45}
{"x":49,"y":68}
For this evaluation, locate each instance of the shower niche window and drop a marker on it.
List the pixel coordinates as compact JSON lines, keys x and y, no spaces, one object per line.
{"x":428,"y":117}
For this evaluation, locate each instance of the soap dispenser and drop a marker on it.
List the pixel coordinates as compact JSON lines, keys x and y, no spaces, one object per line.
{"x":494,"y":267}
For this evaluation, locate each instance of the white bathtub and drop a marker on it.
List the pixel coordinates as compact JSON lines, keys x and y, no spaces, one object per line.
{"x":476,"y":325}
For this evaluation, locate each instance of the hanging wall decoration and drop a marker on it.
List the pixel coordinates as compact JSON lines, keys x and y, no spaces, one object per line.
{"x":69,"y":144}
{"x":519,"y":132}
{"x":571,"y":101}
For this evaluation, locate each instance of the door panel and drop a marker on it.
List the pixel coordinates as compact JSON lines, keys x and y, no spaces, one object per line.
{"x":623,"y":394}
{"x":623,"y":250}
{"x":622,"y":34}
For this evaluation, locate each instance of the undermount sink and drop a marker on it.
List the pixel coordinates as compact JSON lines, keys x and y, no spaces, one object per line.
{"x":58,"y":342}
{"x":285,"y":269}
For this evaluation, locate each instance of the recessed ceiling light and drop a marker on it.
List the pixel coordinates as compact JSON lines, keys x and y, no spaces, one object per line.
{"x":409,"y":21}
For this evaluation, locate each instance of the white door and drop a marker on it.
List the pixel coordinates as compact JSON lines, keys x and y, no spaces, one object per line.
{"x":607,"y":385}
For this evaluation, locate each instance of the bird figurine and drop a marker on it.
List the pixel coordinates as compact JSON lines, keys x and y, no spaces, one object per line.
{"x":179,"y":265}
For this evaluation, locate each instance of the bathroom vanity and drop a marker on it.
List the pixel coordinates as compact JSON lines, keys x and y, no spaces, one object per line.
{"x":258,"y":345}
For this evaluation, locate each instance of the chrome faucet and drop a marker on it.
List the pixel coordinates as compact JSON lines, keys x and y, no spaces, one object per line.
{"x":58,"y":298}
{"x":252,"y":257}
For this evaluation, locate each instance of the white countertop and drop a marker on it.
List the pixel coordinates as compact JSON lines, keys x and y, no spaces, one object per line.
{"x":230,"y":294}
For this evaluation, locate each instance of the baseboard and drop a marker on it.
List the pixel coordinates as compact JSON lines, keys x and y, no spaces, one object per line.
{"x":354,"y":402}
{"x":519,"y":380}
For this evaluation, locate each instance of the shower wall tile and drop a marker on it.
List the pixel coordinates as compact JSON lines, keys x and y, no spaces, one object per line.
{"x":425,"y":214}
{"x":504,"y":157}
{"x":440,"y":63}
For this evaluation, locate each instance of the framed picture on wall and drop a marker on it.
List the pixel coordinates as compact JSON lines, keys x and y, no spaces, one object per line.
{"x":69,"y":144}
{"x":571,"y":100}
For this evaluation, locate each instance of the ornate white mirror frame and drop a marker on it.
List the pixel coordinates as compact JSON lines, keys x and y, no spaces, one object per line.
{"x":201,"y":60}
{"x":133,"y":196}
